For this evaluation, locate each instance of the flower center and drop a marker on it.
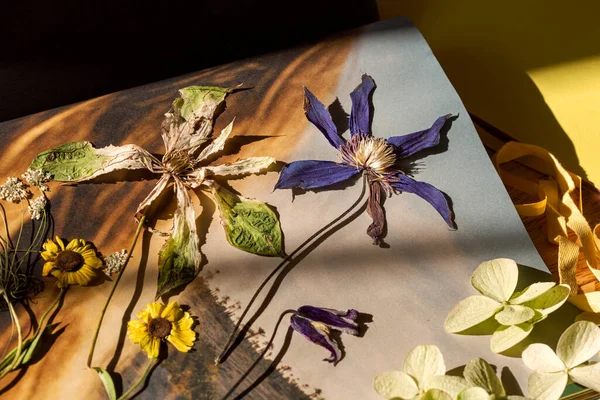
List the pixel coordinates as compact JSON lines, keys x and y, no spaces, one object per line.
{"x":68,"y":260}
{"x":159,"y":327}
{"x":178,"y":163}
{"x":368,"y":153}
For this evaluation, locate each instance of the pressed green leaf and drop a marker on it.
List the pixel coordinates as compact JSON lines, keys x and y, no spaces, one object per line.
{"x":79,"y":161}
{"x":435,"y":394}
{"x":541,"y":358}
{"x":394,"y":385}
{"x":470,"y":312}
{"x":452,"y":385}
{"x":189,"y":123}
{"x":578,"y":343}
{"x":108,"y":383}
{"x":587,"y":375}
{"x":479,"y":373}
{"x":474,"y":393}
{"x":424,"y":361}
{"x":513,"y":315}
{"x":550,"y":300}
{"x":544,"y":386}
{"x":250,"y":225}
{"x":179,"y":258}
{"x":506,"y":337}
{"x":531,"y":292}
{"x":496,"y":279}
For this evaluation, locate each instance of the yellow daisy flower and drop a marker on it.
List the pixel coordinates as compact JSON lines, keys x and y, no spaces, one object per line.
{"x":158,"y":322}
{"x":76,"y":264}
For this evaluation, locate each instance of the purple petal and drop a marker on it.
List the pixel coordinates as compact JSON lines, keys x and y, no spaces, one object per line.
{"x":317,"y":336}
{"x":413,"y":142}
{"x":309,"y":174}
{"x":428,"y":193}
{"x":360,"y":116}
{"x":340,"y":320}
{"x":316,"y":113}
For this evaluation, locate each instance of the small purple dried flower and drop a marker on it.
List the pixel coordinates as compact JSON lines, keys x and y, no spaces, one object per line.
{"x":315,"y":324}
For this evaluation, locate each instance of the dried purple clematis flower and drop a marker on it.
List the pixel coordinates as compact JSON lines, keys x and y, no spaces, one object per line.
{"x":363,"y":153}
{"x":315,"y":324}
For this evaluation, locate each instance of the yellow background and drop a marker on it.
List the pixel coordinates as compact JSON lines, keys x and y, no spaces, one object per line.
{"x":530,"y":68}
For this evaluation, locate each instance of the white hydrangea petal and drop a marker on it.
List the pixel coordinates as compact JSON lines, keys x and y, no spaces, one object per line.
{"x":541,"y":358}
{"x":506,"y":337}
{"x":551,"y":300}
{"x":423,"y":362}
{"x":547,"y":386}
{"x":531,"y":292}
{"x":452,"y":385}
{"x":496,"y":279}
{"x":578,"y":343}
{"x":474,"y":393}
{"x":479,"y":372}
{"x":470,"y":312}
{"x":589,"y":316}
{"x":514,"y":314}
{"x":395,"y":384}
{"x":587,"y":375}
{"x":435,"y":394}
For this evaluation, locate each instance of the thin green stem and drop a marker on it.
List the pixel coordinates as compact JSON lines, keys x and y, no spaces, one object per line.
{"x":289,"y":258}
{"x":15,"y":319}
{"x":41,"y":327}
{"x":140,"y":381}
{"x":112,"y":290}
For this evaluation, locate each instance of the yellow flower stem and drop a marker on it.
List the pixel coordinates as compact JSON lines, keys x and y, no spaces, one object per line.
{"x":231,"y":343}
{"x":15,"y":320}
{"x":139,"y":382}
{"x":41,"y":326}
{"x":112,"y":290}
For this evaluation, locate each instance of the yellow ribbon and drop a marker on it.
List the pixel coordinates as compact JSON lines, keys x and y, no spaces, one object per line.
{"x":563,"y":214}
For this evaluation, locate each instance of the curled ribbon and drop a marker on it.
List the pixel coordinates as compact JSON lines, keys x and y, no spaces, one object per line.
{"x":562,"y":214}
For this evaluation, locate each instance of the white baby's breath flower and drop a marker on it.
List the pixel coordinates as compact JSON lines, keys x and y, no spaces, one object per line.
{"x":37,"y":207}
{"x":37,"y":177}
{"x":14,"y":190}
{"x":115,"y":262}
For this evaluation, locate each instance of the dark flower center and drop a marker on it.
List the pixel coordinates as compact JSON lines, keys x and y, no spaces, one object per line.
{"x":68,"y":260}
{"x":159,"y":327}
{"x":178,"y":163}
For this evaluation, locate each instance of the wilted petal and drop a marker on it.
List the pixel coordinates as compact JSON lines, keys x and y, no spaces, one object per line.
{"x":340,"y":320}
{"x":317,"y":336}
{"x":428,"y":193}
{"x":376,"y":212}
{"x":217,"y":144}
{"x":250,"y":165}
{"x":413,"y":142}
{"x":360,"y":116}
{"x":317,"y":114}
{"x":81,"y":161}
{"x":179,"y":258}
{"x":153,"y":195}
{"x":479,"y":372}
{"x":310,"y":174}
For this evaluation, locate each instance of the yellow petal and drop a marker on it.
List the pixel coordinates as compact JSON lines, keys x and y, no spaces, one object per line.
{"x":50,"y":246}
{"x":144,"y":315}
{"x":48,"y":266}
{"x":60,"y":243}
{"x":73,"y":244}
{"x":48,"y":255}
{"x":172,"y":312}
{"x":138,"y":331}
{"x":155,"y":309}
{"x":153,"y":348}
{"x":180,"y":343}
{"x":61,"y":278}
{"x":93,"y":262}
